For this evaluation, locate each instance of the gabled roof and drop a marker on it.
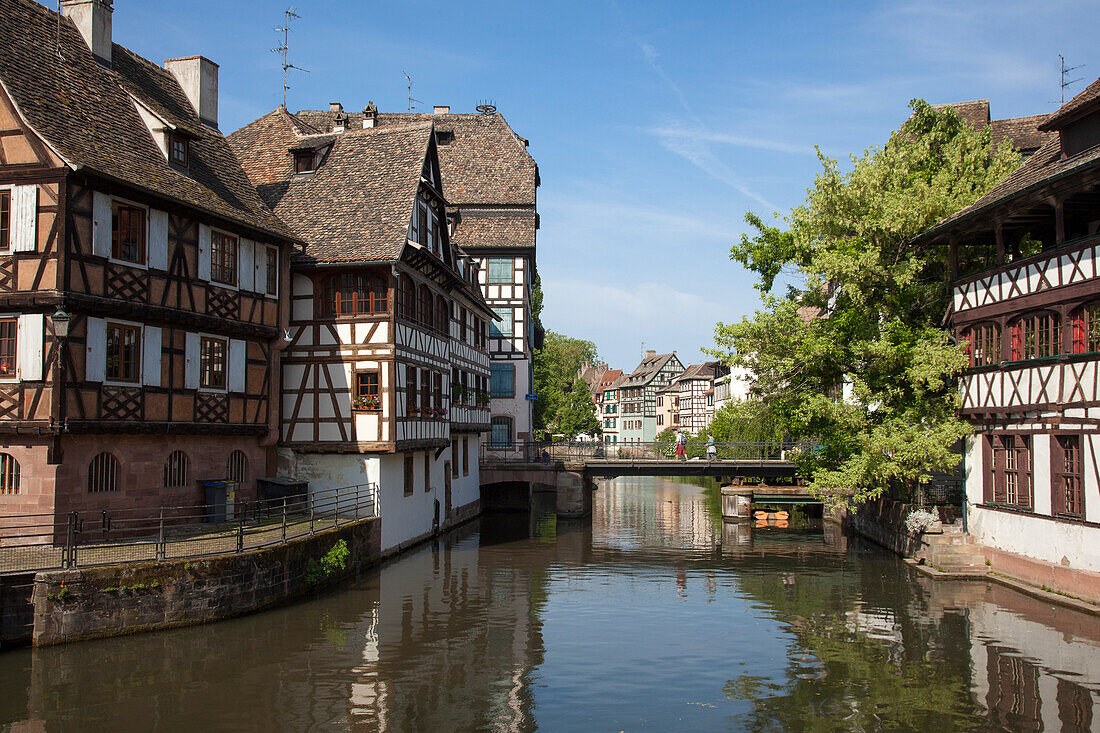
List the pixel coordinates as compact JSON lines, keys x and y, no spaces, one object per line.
{"x":86,"y":114}
{"x":357,"y":205}
{"x":495,"y":228}
{"x":1025,"y":133}
{"x":610,"y":377}
{"x":1081,"y":104}
{"x":649,"y":367}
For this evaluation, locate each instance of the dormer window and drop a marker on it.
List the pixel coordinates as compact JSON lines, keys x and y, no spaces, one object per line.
{"x":445,"y":137}
{"x":304,"y":162}
{"x":177,"y":149}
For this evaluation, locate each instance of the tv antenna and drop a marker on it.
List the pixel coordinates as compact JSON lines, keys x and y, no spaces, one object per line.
{"x":1065,"y":73}
{"x":284,"y":47}
{"x":409,"y":79}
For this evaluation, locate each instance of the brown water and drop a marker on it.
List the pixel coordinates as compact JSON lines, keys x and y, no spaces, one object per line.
{"x":650,"y":616}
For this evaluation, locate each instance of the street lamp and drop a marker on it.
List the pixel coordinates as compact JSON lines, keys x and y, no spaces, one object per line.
{"x":61,"y":319}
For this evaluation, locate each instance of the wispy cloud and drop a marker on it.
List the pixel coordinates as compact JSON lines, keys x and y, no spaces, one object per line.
{"x":599,"y":214}
{"x":725,"y":138}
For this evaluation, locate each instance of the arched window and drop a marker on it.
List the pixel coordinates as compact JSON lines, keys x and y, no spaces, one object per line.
{"x":103,"y":474}
{"x":354,"y":293}
{"x":984,"y":344}
{"x":426,"y":310}
{"x":177,"y":470}
{"x":9,"y":474}
{"x":1086,"y":328}
{"x":442,"y":315}
{"x":1036,"y":335}
{"x":501,"y":436}
{"x":236,"y":468}
{"x":406,"y":298}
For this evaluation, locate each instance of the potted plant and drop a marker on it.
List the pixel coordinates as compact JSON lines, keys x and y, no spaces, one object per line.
{"x":922,"y":521}
{"x":483,"y":399}
{"x":366,"y":402}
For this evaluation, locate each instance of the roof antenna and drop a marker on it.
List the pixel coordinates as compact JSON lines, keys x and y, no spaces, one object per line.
{"x":411,"y":99}
{"x":283,"y":48}
{"x":1065,"y":72}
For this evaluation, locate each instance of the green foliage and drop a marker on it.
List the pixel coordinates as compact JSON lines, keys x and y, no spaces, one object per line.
{"x":748,"y":421}
{"x":564,"y":405}
{"x":869,"y":313}
{"x":332,"y":562}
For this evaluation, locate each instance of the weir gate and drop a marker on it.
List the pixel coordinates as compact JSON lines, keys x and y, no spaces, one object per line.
{"x":511,"y":471}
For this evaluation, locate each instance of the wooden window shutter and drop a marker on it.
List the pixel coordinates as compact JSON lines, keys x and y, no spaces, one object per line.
{"x":95,"y":365}
{"x":158,"y":239}
{"x":191,"y":360}
{"x":238,"y":355}
{"x":259,"y":266}
{"x":246,"y":268}
{"x":24,"y":218}
{"x":150,"y":356}
{"x":987,"y":468}
{"x":204,"y":255}
{"x":28,"y":360}
{"x":101,"y":224}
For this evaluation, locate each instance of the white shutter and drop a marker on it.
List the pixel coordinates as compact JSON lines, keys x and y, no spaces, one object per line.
{"x":150,"y":356}
{"x":101,"y":224}
{"x":259,"y":272}
{"x":28,"y":339}
{"x":204,"y":252}
{"x":95,"y":363}
{"x":191,"y":361}
{"x":246,"y":268}
{"x":158,"y":239}
{"x":24,"y":219}
{"x":238,"y":355}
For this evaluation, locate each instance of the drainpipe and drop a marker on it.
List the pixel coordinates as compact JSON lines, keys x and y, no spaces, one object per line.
{"x":278,"y":344}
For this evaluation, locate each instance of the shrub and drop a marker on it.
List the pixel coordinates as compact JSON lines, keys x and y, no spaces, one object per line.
{"x":919,"y":520}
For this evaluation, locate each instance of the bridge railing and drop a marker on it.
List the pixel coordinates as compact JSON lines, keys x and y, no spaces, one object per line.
{"x":581,"y":451}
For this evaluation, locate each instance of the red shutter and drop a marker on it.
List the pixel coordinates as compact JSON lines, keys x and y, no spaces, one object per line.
{"x":987,"y":469}
{"x":1017,"y":340}
{"x":1077,"y":321}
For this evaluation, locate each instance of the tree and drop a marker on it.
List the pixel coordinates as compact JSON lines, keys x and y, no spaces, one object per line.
{"x":865,"y":324}
{"x":563,"y":398}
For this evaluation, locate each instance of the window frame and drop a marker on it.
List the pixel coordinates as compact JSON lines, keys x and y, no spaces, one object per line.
{"x":1010,"y":471}
{"x":229,"y":463}
{"x":13,"y":361}
{"x":105,"y":467}
{"x":204,"y":372}
{"x":369,"y":294}
{"x":502,"y":368}
{"x":489,"y":278}
{"x":504,"y":420}
{"x":179,"y":470}
{"x":363,"y":389}
{"x":123,"y":327}
{"x":5,"y":220}
{"x":496,"y":329}
{"x":143,"y":253}
{"x":412,"y":393}
{"x":219,"y":269}
{"x":407,"y":489}
{"x":1085,"y":329}
{"x":271,"y":276}
{"x":1067,"y":479}
{"x":310,"y":157}
{"x":1051,"y":335}
{"x":983,"y":344}
{"x":175,"y":138}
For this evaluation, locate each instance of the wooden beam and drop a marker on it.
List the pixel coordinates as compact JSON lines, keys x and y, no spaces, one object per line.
{"x":998,"y":232}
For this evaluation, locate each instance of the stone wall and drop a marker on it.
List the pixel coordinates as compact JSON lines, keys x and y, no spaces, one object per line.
{"x":70,"y":605}
{"x":883,"y":522}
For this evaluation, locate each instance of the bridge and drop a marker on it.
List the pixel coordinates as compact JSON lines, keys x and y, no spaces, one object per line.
{"x":569,"y":468}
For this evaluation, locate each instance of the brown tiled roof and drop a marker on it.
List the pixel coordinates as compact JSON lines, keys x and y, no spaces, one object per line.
{"x":976,"y":112}
{"x":1080,"y":105}
{"x":357,"y":205}
{"x":486,"y":163}
{"x":609,"y":377}
{"x":85,"y":113}
{"x":646,"y":370}
{"x":1023,"y":132}
{"x":495,"y":228}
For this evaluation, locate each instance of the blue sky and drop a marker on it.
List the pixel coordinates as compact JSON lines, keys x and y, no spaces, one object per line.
{"x":656,"y":126}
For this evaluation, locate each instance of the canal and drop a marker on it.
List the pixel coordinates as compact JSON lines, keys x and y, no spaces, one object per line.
{"x":651,"y":615}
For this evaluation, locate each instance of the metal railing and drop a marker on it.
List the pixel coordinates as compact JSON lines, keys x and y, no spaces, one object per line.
{"x":109,"y":537}
{"x":580,"y":451}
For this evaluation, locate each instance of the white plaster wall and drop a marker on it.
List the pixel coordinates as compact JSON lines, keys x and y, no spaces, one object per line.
{"x":407,"y":517}
{"x":465,"y":489}
{"x":327,"y":471}
{"x":1037,"y":537}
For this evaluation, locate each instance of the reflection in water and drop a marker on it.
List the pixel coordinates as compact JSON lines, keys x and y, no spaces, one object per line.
{"x":652,"y":615}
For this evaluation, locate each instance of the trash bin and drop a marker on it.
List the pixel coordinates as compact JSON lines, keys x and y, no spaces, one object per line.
{"x":271,"y":492}
{"x":219,"y":496}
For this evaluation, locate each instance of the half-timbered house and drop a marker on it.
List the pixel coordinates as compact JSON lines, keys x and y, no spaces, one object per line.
{"x":695,"y":393}
{"x":385,"y":378}
{"x":1026,"y":303}
{"x":638,"y":396}
{"x":491,"y":182}
{"x":141,"y":276}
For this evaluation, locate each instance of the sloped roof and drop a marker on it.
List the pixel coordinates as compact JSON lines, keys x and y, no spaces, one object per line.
{"x":495,"y":228}
{"x":486,"y":163}
{"x":1024,"y":132}
{"x":609,"y":377}
{"x":85,"y":113}
{"x":647,"y":369}
{"x":1080,"y":105}
{"x":357,"y":205}
{"x":976,"y":111}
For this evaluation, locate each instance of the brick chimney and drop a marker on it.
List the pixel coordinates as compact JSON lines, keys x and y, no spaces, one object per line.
{"x":93,"y":19}
{"x":441,"y":109}
{"x":650,"y":353}
{"x":370,"y":115}
{"x":198,"y":77}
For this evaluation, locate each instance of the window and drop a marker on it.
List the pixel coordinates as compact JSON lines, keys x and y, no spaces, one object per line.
{"x":406,"y":298}
{"x":177,"y":149}
{"x":1086,"y":329}
{"x":177,"y":470}
{"x":454,"y":459}
{"x":500,"y":270}
{"x":123,"y":352}
{"x":408,"y":488}
{"x":103,"y":474}
{"x":410,"y":389}
{"x":501,"y":435}
{"x":1068,"y":498}
{"x":462,"y":313}
{"x":236,"y":466}
{"x":984,"y":344}
{"x":271,"y":283}
{"x":504,"y":326}
{"x":353,"y":294}
{"x":442,"y":315}
{"x":303,"y":161}
{"x":427,"y":471}
{"x":465,"y":456}
{"x":5,"y":220}
{"x":9,"y":474}
{"x":366,"y":391}
{"x":128,"y":233}
{"x":502,"y":380}
{"x":426,"y":390}
{"x":1010,"y":470}
{"x":212,"y":367}
{"x":9,"y":327}
{"x":1036,"y":336}
{"x":223,"y":258}
{"x":422,"y":230}
{"x":437,"y":390}
{"x":426,"y":310}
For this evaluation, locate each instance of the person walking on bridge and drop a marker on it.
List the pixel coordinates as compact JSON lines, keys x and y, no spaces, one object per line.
{"x":681,"y":445}
{"x":712,"y":450}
